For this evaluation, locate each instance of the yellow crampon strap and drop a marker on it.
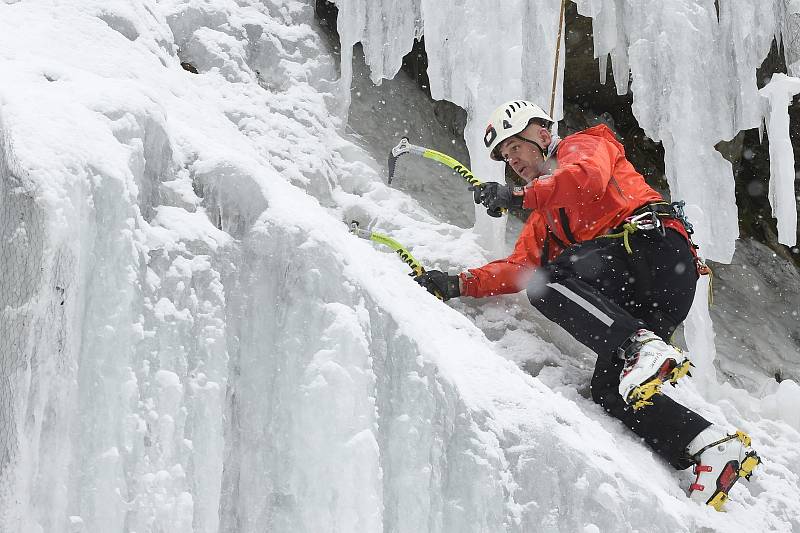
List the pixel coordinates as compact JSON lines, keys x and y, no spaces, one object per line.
{"x":627,"y":229}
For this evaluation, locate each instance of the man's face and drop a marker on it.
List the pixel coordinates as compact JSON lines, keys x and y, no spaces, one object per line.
{"x":524,"y":158}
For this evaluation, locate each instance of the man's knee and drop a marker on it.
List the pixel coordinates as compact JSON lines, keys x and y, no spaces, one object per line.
{"x":538,"y":290}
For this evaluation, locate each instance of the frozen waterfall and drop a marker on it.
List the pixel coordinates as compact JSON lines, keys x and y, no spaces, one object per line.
{"x":193,"y":341}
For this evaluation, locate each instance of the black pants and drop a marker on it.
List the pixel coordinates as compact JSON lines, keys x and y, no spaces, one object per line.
{"x":601,"y":295}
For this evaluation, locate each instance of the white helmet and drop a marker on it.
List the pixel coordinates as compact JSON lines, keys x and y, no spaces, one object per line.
{"x":508,"y":120}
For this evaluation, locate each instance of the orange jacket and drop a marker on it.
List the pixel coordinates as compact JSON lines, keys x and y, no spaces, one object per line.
{"x":592,"y":190}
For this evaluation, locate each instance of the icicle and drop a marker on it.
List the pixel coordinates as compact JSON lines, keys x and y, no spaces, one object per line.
{"x":777,"y":97}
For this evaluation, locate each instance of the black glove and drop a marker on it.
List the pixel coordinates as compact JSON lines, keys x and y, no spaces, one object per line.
{"x":496,"y":197}
{"x":439,"y":284}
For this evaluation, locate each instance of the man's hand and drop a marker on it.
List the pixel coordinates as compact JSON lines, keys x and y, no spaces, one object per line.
{"x":439,"y":284}
{"x":496,"y":197}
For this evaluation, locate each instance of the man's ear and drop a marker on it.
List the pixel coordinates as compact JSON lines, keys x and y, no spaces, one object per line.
{"x":547,"y":137}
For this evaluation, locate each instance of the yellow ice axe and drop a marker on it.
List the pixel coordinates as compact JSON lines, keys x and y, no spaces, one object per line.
{"x":405,"y":147}
{"x":399,"y":249}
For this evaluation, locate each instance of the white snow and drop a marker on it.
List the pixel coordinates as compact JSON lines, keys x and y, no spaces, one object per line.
{"x":191,"y":340}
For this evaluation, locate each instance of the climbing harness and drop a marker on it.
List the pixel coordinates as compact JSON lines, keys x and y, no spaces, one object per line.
{"x":680,"y":214}
{"x":702,"y":268}
{"x":649,"y":218}
{"x":642,"y":221}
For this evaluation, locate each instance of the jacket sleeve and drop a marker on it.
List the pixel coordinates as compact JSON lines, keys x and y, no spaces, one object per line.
{"x":585,"y":166}
{"x":509,"y":275}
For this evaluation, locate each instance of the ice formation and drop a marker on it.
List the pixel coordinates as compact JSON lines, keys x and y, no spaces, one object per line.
{"x":779,"y":93}
{"x":192,"y":341}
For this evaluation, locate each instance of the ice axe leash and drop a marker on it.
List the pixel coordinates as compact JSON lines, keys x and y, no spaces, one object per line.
{"x":416,"y":267}
{"x":405,"y":147}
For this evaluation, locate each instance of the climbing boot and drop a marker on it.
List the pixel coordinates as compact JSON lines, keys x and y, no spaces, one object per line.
{"x":720,"y":461}
{"x":649,"y":363}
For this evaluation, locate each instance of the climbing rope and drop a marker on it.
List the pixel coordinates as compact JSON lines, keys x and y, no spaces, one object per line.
{"x":704,"y":270}
{"x":558,"y":55}
{"x":627,"y":229}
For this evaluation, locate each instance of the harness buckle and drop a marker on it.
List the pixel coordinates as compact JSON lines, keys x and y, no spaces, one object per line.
{"x":647,"y":221}
{"x":680,"y":214}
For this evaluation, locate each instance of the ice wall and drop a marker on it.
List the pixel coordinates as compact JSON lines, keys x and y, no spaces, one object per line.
{"x":479,"y":54}
{"x":191,"y":340}
{"x":194,"y":343}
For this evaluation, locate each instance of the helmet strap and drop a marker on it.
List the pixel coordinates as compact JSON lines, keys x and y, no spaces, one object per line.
{"x":537,"y":145}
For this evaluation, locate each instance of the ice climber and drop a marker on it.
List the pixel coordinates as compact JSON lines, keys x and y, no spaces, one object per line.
{"x":606,"y":258}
